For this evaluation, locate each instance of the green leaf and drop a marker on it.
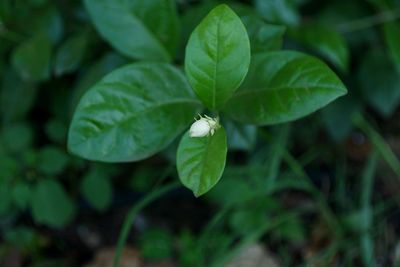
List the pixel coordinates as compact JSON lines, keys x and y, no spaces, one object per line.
{"x":326,"y":41}
{"x":17,"y":137}
{"x":191,"y":17}
{"x":263,"y":37}
{"x":52,"y":160}
{"x":9,"y":167}
{"x":106,"y":64}
{"x":201,"y":161}
{"x":284,"y":86}
{"x":136,"y":28}
{"x":56,"y":131}
{"x":97,"y":189}
{"x":217,"y":56}
{"x":51,"y":205}
{"x":240,"y":189}
{"x":392,"y":32}
{"x":156,"y":244}
{"x":244,"y":221}
{"x":26,"y":239}
{"x":278,"y":11}
{"x":21,"y":194}
{"x":47,"y":20}
{"x":69,"y":55}
{"x":13,"y":107}
{"x":242,"y":137}
{"x":380,"y":82}
{"x":5,"y":199}
{"x":132,"y":113}
{"x":337,"y":117}
{"x":31,"y":59}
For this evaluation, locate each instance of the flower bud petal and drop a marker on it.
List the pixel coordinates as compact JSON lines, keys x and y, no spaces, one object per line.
{"x":199,"y":128}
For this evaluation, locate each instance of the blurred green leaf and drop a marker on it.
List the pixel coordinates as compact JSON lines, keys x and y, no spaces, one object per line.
{"x":37,"y":2}
{"x":31,"y":59}
{"x":247,"y":220}
{"x":391,"y":32}
{"x":337,"y":117}
{"x":242,"y":137}
{"x":358,"y":221}
{"x":51,"y":205}
{"x":201,"y":161}
{"x":119,"y":120}
{"x":13,"y":107}
{"x":9,"y":167}
{"x":21,"y":194}
{"x":326,"y":41}
{"x":47,"y":20}
{"x":24,"y":238}
{"x":240,"y":190}
{"x":145,"y":177}
{"x":69,"y":55}
{"x":97,"y":189}
{"x":51,"y":160}
{"x":283,"y":86}
{"x":380,"y":82}
{"x":138,"y":29}
{"x":156,"y":244}
{"x":291,"y":230}
{"x":5,"y":198}
{"x":278,"y":11}
{"x":192,"y":16}
{"x":56,"y":131}
{"x":17,"y":137}
{"x":189,"y":253}
{"x":217,"y":56}
{"x":263,"y":37}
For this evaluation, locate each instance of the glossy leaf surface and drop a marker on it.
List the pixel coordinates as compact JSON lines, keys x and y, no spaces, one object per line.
{"x":136,"y":28}
{"x":217,"y":56}
{"x":201,"y":161}
{"x":283,"y":86}
{"x":132,"y":113}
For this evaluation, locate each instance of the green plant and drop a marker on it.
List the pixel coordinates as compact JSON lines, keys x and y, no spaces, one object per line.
{"x":138,"y":110}
{"x":307,"y":197}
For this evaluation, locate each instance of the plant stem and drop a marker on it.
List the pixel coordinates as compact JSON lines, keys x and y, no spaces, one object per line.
{"x":367,"y":22}
{"x":324,"y":206}
{"x":379,"y":142}
{"x":366,"y":241}
{"x":126,"y":227}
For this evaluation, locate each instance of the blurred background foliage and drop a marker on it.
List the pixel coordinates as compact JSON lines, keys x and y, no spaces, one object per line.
{"x":322,"y":191}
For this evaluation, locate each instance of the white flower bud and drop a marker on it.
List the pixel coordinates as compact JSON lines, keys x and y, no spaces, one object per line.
{"x":204,"y":126}
{"x":200,"y":128}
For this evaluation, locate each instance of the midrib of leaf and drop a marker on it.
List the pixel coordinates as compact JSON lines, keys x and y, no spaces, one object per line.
{"x":216,"y":65}
{"x":139,"y":113}
{"x":202,"y":162}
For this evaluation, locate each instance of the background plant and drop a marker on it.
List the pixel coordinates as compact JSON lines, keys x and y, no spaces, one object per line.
{"x":318,"y":190}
